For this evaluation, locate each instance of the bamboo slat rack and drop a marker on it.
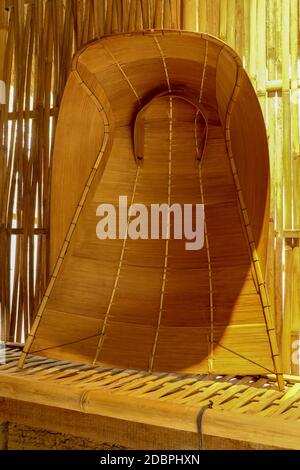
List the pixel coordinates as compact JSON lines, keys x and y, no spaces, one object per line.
{"x":37,"y":41}
{"x":142,"y":410}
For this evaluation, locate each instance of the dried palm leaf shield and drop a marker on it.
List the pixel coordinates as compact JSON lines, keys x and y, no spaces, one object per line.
{"x":159,"y":117}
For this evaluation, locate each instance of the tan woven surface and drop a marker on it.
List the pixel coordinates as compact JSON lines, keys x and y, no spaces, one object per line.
{"x":247,"y":395}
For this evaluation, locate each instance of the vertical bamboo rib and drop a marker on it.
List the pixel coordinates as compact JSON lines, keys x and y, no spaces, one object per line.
{"x":103,"y":331}
{"x":156,"y":40}
{"x":99,"y":15}
{"x":28,"y":226}
{"x":231,"y":23}
{"x":210,"y":361}
{"x":3,"y":35}
{"x":146,"y":14}
{"x":115,"y":18}
{"x":21,"y":31}
{"x":77,"y":11}
{"x":36,"y":148}
{"x":165,"y":268}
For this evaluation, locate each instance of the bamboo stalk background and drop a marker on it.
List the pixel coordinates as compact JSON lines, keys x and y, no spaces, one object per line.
{"x":37,"y":41}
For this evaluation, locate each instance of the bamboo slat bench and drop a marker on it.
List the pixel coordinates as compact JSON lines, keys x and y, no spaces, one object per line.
{"x":135,"y":409}
{"x":143,"y":333}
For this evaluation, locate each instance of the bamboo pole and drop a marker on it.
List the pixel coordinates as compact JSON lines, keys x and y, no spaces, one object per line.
{"x":175,"y":12}
{"x":223,"y":20}
{"x":132,"y":15}
{"x":189,"y":15}
{"x":202,"y":16}
{"x":285,"y":41}
{"x":246,"y":35}
{"x":6,"y":165}
{"x":253,"y":41}
{"x":271,"y":124}
{"x":3,"y":35}
{"x":239,"y":22}
{"x":287,"y":183}
{"x":109,"y":13}
{"x":295,"y":57}
{"x":4,"y":308}
{"x":278,"y":178}
{"x":3,"y":436}
{"x":213,"y":17}
{"x":99,"y":15}
{"x":295,"y":327}
{"x":287,"y":324}
{"x":167,"y":15}
{"x":240,"y":28}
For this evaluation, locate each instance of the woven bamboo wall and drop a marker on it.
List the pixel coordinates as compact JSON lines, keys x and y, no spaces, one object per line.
{"x":37,"y":41}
